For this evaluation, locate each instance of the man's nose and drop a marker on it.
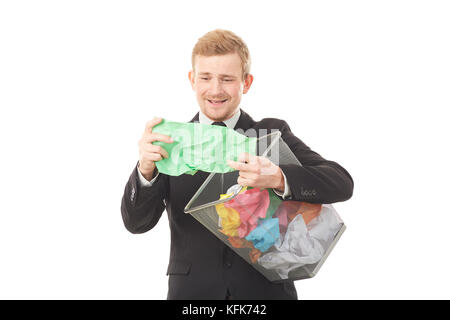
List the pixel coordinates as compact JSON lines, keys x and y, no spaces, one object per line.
{"x":216,"y":86}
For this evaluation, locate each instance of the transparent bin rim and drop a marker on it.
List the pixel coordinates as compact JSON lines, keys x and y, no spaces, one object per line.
{"x":275,"y":136}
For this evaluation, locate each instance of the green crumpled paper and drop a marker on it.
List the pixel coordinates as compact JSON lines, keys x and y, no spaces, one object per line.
{"x":202,"y":147}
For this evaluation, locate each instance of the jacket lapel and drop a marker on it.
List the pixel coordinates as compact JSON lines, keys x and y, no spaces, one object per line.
{"x":195,"y":118}
{"x":245,"y":122}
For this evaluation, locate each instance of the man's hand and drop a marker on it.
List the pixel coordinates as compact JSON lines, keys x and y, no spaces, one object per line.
{"x":258,"y":172}
{"x":149,"y":153}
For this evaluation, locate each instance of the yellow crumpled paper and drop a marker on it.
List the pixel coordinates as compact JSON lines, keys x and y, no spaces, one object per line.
{"x":229,"y":218}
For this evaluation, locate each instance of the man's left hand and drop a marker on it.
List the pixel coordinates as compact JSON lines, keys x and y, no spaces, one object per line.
{"x":258,"y":172}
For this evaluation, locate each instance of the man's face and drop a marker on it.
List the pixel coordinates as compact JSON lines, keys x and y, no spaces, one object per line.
{"x":218,"y":85}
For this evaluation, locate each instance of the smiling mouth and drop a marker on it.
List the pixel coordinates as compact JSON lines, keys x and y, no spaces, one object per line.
{"x":217,"y":102}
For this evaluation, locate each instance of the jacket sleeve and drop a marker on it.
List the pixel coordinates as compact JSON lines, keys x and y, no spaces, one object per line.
{"x":318,"y":180}
{"x":141,"y":206}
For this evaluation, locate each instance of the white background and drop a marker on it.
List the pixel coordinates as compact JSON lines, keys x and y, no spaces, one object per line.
{"x":363,"y":83}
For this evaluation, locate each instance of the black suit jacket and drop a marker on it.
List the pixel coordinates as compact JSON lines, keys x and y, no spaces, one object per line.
{"x":203,"y":267}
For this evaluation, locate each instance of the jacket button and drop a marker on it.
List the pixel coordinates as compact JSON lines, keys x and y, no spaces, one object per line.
{"x":133,"y":192}
{"x":227,"y":264}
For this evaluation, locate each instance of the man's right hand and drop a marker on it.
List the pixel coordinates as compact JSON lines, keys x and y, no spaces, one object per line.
{"x":149,"y":153}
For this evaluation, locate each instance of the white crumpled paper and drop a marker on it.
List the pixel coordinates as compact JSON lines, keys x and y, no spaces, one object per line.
{"x":302,"y":244}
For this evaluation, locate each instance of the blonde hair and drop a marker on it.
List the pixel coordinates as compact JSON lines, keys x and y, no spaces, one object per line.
{"x":222,"y":42}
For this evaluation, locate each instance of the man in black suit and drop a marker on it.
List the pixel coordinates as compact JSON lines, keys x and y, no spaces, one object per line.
{"x":201,"y":266}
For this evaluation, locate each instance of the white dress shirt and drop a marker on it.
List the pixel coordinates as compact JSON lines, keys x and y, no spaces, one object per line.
{"x":230,"y":123}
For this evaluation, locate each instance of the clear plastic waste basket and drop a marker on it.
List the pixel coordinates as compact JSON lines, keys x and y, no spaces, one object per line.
{"x":282,"y":239}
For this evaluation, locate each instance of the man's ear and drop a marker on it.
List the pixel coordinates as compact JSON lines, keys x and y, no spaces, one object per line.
{"x":191,"y":77}
{"x":247,"y":83}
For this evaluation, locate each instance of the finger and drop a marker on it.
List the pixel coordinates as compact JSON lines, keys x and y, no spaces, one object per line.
{"x":244,"y":182}
{"x":153,"y":156}
{"x":158,"y":137}
{"x":238,"y":165}
{"x":156,"y":149}
{"x":247,"y":167}
{"x":264,"y":161}
{"x":247,"y":158}
{"x":150,"y":124}
{"x":248,"y":175}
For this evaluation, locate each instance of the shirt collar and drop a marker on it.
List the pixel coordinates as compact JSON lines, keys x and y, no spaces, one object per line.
{"x":230,"y":123}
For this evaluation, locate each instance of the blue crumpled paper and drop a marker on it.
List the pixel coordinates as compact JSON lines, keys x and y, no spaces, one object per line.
{"x":265,"y":234}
